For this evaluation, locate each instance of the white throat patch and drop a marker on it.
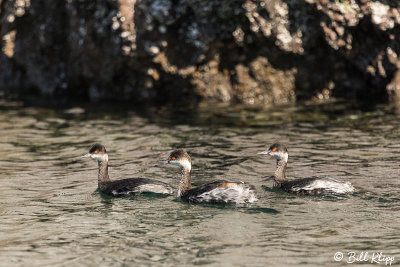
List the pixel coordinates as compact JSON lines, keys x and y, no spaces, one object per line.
{"x":185,"y":164}
{"x":99,"y":157}
{"x":280,"y":156}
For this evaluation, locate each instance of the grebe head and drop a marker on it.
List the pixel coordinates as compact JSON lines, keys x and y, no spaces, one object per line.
{"x":278,"y":151}
{"x":97,"y":152}
{"x":180,"y":158}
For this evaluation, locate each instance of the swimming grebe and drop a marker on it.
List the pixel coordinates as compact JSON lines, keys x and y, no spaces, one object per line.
{"x":307,"y":186}
{"x":220,"y":191}
{"x":124,"y":187}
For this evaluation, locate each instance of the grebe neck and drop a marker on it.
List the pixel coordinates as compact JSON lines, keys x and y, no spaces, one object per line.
{"x":103,"y":177}
{"x":280,"y":172}
{"x":184,"y":184}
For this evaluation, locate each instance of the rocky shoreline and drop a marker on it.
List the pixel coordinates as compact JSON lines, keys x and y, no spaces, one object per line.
{"x":252,"y":52}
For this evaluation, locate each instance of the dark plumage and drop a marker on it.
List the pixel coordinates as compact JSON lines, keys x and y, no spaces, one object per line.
{"x":278,"y":147}
{"x":224,"y":192}
{"x":308,"y":186}
{"x":179,"y":154}
{"x":220,"y":191}
{"x":124,"y":187}
{"x":97,"y":147}
{"x":132,"y":186}
{"x":305,"y":186}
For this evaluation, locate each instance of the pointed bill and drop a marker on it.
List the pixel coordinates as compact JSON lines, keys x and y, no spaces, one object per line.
{"x":266,"y":152}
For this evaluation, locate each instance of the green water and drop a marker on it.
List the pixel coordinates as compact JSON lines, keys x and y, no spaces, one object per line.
{"x":52,"y":215}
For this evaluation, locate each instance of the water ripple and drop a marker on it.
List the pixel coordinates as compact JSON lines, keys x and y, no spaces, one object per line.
{"x":51,"y":213}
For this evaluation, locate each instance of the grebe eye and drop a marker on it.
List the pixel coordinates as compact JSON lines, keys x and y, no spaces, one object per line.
{"x":96,"y":152}
{"x":173,"y":158}
{"x":274,"y":149}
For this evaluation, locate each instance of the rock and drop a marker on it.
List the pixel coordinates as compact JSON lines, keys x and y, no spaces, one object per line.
{"x":253,"y":52}
{"x":74,"y":111}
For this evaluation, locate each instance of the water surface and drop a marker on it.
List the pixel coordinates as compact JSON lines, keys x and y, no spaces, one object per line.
{"x":52,"y":215}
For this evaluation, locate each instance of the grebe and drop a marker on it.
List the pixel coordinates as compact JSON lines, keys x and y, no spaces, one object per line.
{"x":307,"y":186}
{"x":124,"y":187}
{"x":220,"y":191}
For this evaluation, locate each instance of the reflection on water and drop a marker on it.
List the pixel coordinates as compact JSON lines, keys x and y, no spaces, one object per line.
{"x":51,"y":213}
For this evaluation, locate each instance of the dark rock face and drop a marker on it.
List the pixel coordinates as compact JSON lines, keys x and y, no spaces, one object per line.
{"x":254,"y":52}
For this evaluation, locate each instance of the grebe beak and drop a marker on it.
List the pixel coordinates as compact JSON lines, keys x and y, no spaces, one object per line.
{"x":164,"y":161}
{"x":86,"y":155}
{"x":263,"y":153}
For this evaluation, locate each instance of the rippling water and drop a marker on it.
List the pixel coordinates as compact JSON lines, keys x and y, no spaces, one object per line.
{"x":51,"y":213}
